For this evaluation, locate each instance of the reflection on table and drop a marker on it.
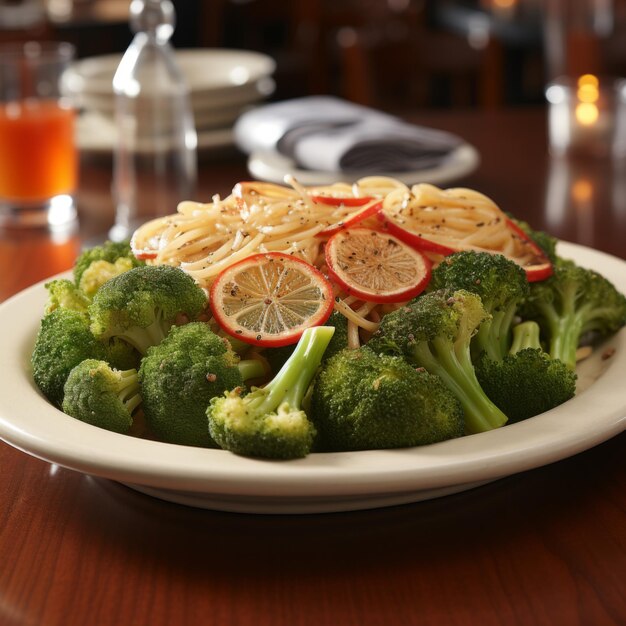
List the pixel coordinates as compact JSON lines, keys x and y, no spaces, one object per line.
{"x":545,"y":545}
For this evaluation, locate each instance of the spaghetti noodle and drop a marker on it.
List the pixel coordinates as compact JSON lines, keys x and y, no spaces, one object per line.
{"x":258,"y":217}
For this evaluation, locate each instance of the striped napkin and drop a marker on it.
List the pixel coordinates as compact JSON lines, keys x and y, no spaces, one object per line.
{"x":323,"y":133}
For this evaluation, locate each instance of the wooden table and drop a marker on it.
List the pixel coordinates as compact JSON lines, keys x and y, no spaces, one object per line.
{"x":544,"y":547}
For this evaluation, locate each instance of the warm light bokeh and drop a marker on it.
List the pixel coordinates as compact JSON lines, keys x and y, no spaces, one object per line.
{"x":504,"y":4}
{"x":582,"y":191}
{"x":588,"y":94}
{"x":587,"y":113}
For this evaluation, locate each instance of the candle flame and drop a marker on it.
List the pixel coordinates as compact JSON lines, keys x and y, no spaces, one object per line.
{"x":587,"y":113}
{"x":589,"y":79}
{"x":582,"y":191}
{"x":588,"y":94}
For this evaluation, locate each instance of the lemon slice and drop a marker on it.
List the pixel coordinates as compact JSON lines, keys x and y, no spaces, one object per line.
{"x":270,"y":299}
{"x":376,"y":266}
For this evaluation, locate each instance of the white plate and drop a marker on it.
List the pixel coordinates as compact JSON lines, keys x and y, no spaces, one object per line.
{"x":203,"y":117}
{"x":217,"y":77}
{"x":273,"y":167}
{"x":321,"y":482}
{"x":96,"y":133}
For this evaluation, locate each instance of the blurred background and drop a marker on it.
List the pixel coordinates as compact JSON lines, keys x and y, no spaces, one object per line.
{"x":385,"y":53}
{"x":534,"y":86}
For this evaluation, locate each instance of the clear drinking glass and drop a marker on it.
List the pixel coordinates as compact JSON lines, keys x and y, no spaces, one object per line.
{"x":619,"y":141}
{"x":38,"y":154}
{"x":155,"y":156}
{"x":575,"y":32}
{"x":582,"y":115}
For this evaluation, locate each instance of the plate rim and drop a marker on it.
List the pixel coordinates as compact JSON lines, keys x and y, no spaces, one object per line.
{"x":266,"y":67}
{"x":208,"y":139}
{"x":272,"y":167}
{"x":65,"y":441}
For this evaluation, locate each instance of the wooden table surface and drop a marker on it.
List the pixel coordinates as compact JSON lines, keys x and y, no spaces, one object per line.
{"x":546,"y":546}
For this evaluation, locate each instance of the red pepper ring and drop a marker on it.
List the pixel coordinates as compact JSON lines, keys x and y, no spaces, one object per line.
{"x":415,"y":240}
{"x":341,"y":201}
{"x":539,"y":269}
{"x":353,"y":218}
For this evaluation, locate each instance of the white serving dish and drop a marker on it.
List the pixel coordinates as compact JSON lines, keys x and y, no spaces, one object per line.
{"x":219,"y":80}
{"x":321,"y":482}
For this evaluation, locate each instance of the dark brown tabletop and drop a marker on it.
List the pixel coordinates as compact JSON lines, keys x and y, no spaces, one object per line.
{"x":546,"y":546}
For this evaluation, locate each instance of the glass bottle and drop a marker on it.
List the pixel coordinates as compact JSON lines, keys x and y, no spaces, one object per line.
{"x":155,"y":155}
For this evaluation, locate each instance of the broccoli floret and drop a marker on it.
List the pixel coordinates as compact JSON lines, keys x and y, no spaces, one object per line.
{"x":527,"y":381}
{"x":181,"y":375}
{"x":339,"y":340}
{"x":276,"y":357}
{"x":269,"y":422}
{"x":121,"y":355}
{"x":363,"y":401}
{"x":502,"y":286}
{"x":63,"y":293}
{"x":574,"y":301}
{"x":434,"y":332}
{"x":109,"y":252}
{"x":63,"y":341}
{"x":100,"y":271}
{"x":141,"y":305}
{"x":102,"y":396}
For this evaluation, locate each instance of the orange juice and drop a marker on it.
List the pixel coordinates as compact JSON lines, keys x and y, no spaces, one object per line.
{"x":38,"y":157}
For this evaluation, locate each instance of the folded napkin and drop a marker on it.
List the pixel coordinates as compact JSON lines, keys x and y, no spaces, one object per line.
{"x":324,"y":133}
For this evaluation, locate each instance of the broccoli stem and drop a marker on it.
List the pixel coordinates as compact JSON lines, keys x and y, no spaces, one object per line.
{"x":454,"y":366}
{"x":252,"y":368}
{"x":128,"y":389}
{"x":294,"y":377}
{"x":564,"y":331}
{"x":525,"y":335}
{"x":482,"y":340}
{"x":565,"y":325}
{"x":505,"y":320}
{"x":493,"y":334}
{"x":151,"y":335}
{"x":564,"y":340}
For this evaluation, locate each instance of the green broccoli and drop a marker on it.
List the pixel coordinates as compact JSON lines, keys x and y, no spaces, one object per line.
{"x":363,"y":401}
{"x":121,"y":355}
{"x":141,"y":305}
{"x":434,"y":331}
{"x":525,"y":335}
{"x":110,"y":253}
{"x":502,"y":286}
{"x":63,"y":341}
{"x":180,"y":376}
{"x":100,"y":271}
{"x":527,"y":381}
{"x":276,"y":357}
{"x":574,"y":301}
{"x":102,"y":396}
{"x":65,"y":294}
{"x":269,"y":422}
{"x":339,"y":340}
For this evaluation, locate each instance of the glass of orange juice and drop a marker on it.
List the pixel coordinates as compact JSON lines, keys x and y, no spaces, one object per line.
{"x":38,"y":154}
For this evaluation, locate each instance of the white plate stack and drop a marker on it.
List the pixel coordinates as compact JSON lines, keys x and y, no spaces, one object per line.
{"x":222,"y":84}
